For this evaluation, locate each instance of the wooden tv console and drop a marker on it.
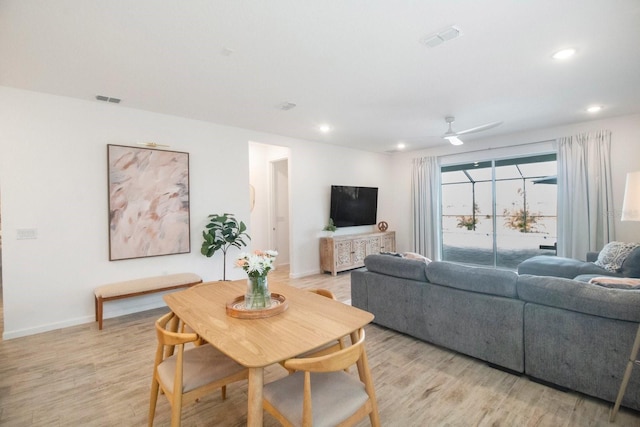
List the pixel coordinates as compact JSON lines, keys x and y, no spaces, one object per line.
{"x":346,"y":252}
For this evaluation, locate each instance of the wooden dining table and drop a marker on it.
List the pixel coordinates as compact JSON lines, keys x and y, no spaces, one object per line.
{"x":309,"y":321}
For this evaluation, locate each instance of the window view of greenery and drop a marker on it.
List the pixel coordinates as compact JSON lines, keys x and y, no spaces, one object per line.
{"x":501,"y":212}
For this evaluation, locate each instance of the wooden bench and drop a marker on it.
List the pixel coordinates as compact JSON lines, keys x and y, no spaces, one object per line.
{"x":137,"y":287}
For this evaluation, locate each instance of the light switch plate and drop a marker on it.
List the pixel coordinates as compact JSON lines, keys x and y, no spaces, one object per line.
{"x":27,"y":233}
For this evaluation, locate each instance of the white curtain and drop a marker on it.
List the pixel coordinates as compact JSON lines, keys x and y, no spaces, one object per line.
{"x":585,"y":205}
{"x":425,"y":186}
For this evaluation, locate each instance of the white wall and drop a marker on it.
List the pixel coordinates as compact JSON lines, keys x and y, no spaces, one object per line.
{"x":53,"y":178}
{"x":625,"y":157}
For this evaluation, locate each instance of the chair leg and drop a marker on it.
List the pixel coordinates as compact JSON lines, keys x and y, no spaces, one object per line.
{"x":365,"y":376}
{"x":153,"y":400}
{"x":223,"y":391}
{"x":176,"y":410}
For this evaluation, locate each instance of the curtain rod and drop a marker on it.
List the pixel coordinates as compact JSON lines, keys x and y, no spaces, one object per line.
{"x":495,"y":148}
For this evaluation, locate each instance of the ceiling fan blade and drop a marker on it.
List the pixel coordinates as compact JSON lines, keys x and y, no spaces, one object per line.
{"x":479,"y":128}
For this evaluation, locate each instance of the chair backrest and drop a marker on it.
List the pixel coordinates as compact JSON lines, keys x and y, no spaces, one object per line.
{"x":324,"y":292}
{"x":167,"y":330}
{"x":168,"y":336}
{"x":329,"y":365}
{"x":336,"y":361}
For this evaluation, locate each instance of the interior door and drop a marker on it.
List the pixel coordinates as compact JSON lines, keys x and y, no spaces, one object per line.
{"x":280,"y":214}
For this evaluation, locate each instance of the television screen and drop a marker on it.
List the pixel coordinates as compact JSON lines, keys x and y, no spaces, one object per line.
{"x":352,"y":206}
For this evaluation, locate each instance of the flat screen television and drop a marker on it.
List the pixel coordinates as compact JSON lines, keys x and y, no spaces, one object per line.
{"x":352,"y":206}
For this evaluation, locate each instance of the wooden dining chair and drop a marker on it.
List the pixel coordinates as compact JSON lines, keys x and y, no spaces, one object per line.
{"x":319,"y":392}
{"x":185,"y":375}
{"x":329,"y":347}
{"x":333,"y":346}
{"x":324,"y":292}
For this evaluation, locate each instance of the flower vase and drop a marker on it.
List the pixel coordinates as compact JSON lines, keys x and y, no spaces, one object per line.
{"x":258,"y":296}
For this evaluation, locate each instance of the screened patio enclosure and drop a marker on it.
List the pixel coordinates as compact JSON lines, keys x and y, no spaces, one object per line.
{"x":499,"y":212}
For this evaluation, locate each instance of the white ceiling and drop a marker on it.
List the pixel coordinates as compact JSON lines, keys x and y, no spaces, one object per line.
{"x":358,"y":65}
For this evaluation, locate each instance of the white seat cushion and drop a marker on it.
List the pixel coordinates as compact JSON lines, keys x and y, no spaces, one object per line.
{"x":146,"y":284}
{"x":201,"y":365}
{"x":334,"y":397}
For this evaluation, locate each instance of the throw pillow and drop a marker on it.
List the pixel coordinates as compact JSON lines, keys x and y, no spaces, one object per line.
{"x":391,"y":254}
{"x":413,"y":255}
{"x":613,"y":255}
{"x":631,"y":265}
{"x":616,"y":282}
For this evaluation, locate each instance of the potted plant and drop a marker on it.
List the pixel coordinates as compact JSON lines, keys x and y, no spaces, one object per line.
{"x":257,"y":266}
{"x":330,"y":228}
{"x":221,"y":233}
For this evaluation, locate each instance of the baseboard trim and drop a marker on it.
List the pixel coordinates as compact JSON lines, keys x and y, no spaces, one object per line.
{"x":7,"y":335}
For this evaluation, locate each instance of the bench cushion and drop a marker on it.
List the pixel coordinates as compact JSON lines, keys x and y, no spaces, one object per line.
{"x":146,"y":284}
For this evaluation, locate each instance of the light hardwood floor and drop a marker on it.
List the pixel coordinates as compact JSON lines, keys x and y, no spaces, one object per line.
{"x":80,"y":376}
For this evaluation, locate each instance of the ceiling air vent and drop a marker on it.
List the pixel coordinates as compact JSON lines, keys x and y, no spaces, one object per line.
{"x":286,"y":106}
{"x":108,"y":99}
{"x":442,"y":36}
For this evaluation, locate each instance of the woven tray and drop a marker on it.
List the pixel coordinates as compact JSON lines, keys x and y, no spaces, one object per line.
{"x":237,"y":309}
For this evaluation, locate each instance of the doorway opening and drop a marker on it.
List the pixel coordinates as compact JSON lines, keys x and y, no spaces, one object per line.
{"x":269,"y":187}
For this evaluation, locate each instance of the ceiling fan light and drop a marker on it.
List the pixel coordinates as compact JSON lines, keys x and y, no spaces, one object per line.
{"x":454,"y":140}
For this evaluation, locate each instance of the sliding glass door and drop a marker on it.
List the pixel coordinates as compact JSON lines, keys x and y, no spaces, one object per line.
{"x":499,"y":212}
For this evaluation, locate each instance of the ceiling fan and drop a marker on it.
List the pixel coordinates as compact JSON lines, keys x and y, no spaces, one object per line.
{"x":452,"y":136}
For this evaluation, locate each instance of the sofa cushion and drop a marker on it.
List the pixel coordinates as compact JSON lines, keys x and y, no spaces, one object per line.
{"x":614,"y":254}
{"x":477,"y":279}
{"x":621,"y":304}
{"x":631,"y":265}
{"x":395,"y":266}
{"x":547,"y":265}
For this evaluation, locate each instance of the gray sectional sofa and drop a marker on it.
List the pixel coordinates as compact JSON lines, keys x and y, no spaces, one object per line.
{"x":560,"y":331}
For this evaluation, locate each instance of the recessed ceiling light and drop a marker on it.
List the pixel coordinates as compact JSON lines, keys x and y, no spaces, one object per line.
{"x":594,"y":108}
{"x":324,"y":128}
{"x":564,"y":54}
{"x":401,"y":146}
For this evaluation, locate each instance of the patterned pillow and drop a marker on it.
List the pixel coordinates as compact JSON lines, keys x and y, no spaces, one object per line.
{"x":413,"y":255}
{"x":613,"y":255}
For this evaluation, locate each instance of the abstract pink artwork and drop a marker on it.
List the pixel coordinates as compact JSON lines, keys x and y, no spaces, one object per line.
{"x":148,"y":202}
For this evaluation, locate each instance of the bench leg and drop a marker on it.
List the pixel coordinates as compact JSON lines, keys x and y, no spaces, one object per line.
{"x":99,"y":300}
{"x":99,"y":312}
